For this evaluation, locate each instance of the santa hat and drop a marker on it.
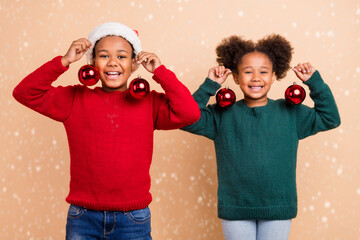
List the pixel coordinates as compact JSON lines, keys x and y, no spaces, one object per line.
{"x":113,"y":29}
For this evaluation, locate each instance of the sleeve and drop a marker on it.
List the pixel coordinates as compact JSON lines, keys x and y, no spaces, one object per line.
{"x":176,"y":108}
{"x":208,"y":124}
{"x":35,"y":91}
{"x":323,"y":116}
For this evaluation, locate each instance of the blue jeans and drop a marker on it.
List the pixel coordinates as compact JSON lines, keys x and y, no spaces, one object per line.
{"x":256,"y":230}
{"x":89,"y":224}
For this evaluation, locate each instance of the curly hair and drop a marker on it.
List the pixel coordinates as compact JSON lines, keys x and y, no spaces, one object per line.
{"x":279,"y":50}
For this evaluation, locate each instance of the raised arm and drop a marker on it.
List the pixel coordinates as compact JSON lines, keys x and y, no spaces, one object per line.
{"x":208,"y":123}
{"x":324,"y":115}
{"x":36,"y":92}
{"x":176,"y":108}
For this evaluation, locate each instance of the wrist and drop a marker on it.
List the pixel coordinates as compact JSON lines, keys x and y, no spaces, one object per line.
{"x":65,"y":62}
{"x":211,"y":86}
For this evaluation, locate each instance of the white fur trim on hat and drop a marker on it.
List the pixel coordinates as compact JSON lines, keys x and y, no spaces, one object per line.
{"x":115,"y":29}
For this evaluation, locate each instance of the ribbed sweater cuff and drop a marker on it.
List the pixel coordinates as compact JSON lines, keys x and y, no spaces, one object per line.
{"x":210,"y":86}
{"x":315,"y":81}
{"x":159,"y":71}
{"x":56,"y":66}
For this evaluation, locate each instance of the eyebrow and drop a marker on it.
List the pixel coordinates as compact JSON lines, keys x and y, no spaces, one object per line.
{"x":251,"y":67}
{"x":121,"y":50}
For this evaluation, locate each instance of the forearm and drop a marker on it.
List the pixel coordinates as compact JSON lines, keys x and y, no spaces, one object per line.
{"x":180,"y":109}
{"x":207,"y":89}
{"x":324,"y":101}
{"x":35,"y":91}
{"x":325,"y":115}
{"x":37,"y":83}
{"x":207,"y":124}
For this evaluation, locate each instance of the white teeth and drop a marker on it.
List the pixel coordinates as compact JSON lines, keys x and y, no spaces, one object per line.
{"x":112,"y":73}
{"x":256,"y":88}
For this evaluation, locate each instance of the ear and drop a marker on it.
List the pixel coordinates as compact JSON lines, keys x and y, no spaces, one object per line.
{"x":273,"y":78}
{"x":92,"y":62}
{"x":236,"y":78}
{"x":133,"y":64}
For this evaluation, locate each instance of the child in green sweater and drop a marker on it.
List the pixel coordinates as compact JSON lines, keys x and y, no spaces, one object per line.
{"x":256,"y":139}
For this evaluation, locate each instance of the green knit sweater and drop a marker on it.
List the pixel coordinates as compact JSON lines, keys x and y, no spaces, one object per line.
{"x":256,"y":149}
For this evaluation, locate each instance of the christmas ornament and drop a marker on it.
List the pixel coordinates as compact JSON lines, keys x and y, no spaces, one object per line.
{"x":139,"y":88}
{"x":225,"y":97}
{"x":88,"y":75}
{"x":295,"y":94}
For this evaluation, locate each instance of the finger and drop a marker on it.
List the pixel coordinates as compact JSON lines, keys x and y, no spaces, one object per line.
{"x":300,"y":68}
{"x":154,"y":61}
{"x":80,"y":48}
{"x":83,"y":42}
{"x":297,"y":70}
{"x":211,"y":73}
{"x":212,"y":70}
{"x":139,"y":57}
{"x":222,"y":70}
{"x":140,"y":54}
{"x":144,"y":55}
{"x":150,"y":60}
{"x":308,"y":67}
{"x":81,"y":45}
{"x":217,"y":72}
{"x":143,"y":58}
{"x":227,"y":72}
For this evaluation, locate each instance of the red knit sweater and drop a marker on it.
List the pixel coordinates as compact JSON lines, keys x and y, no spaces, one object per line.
{"x":110,"y":134}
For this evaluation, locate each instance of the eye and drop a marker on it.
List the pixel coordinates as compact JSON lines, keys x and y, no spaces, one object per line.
{"x":121,"y":57}
{"x":103,"y":56}
{"x":263,"y":72}
{"x":248,"y":72}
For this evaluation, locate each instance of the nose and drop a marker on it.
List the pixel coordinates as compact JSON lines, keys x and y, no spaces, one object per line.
{"x":112,"y":62}
{"x":255,"y":77}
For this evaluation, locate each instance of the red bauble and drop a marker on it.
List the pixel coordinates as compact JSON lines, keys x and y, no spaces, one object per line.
{"x":295,"y":94}
{"x":225,"y":97}
{"x":88,"y":75}
{"x":139,"y":88}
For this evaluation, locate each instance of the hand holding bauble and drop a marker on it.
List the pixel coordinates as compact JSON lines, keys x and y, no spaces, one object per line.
{"x":295,"y":94}
{"x":225,"y":97}
{"x":88,"y":75}
{"x":139,"y":88}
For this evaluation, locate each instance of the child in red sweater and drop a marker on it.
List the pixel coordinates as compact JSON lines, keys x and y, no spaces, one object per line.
{"x":110,"y":133}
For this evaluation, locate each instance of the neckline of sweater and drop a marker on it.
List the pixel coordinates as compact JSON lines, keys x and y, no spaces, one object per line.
{"x":115,"y":94}
{"x":255,"y":110}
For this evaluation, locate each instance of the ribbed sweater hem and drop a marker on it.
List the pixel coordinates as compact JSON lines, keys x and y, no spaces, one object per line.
{"x":260,"y":213}
{"x":111,"y":206}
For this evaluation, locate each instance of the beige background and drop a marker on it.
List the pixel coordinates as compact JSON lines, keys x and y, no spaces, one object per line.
{"x":34,"y":173}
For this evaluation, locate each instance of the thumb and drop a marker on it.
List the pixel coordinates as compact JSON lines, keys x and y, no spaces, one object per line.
{"x":227,"y":73}
{"x":298,"y":73}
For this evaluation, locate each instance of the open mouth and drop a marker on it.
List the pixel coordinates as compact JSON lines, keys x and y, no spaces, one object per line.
{"x":256,"y":88}
{"x":112,"y":73}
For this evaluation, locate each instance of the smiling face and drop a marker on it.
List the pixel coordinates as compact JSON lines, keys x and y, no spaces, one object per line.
{"x":255,"y":78}
{"x":113,"y":59}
